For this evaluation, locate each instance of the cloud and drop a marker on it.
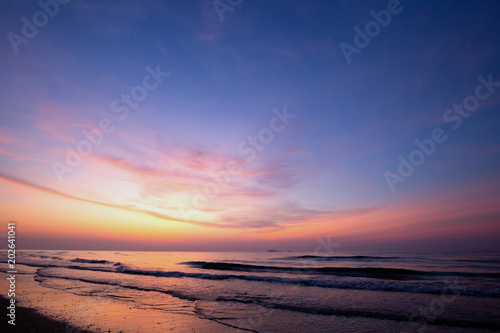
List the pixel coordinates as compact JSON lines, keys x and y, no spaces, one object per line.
{"x":47,"y":190}
{"x":279,"y":216}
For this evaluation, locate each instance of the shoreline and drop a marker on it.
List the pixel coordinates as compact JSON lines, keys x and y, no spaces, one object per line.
{"x":30,"y":320}
{"x":42,"y":309}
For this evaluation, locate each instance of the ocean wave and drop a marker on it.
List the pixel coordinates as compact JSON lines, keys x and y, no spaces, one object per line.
{"x":367,"y":272}
{"x":336,"y":258}
{"x":317,"y":281}
{"x":91,"y":261}
{"x":374,"y":273}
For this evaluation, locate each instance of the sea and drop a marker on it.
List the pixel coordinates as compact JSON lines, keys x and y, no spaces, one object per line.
{"x":289,"y":291}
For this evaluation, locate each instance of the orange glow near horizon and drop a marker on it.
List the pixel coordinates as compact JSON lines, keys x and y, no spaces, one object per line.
{"x":52,"y":214}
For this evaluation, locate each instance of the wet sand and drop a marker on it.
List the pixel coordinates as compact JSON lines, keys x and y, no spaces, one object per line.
{"x":42,"y":309}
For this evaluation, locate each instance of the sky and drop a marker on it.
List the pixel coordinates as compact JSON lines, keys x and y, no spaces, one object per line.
{"x":240,"y":125}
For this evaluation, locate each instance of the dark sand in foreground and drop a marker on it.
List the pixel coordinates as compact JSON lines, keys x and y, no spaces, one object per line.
{"x":29,"y":320}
